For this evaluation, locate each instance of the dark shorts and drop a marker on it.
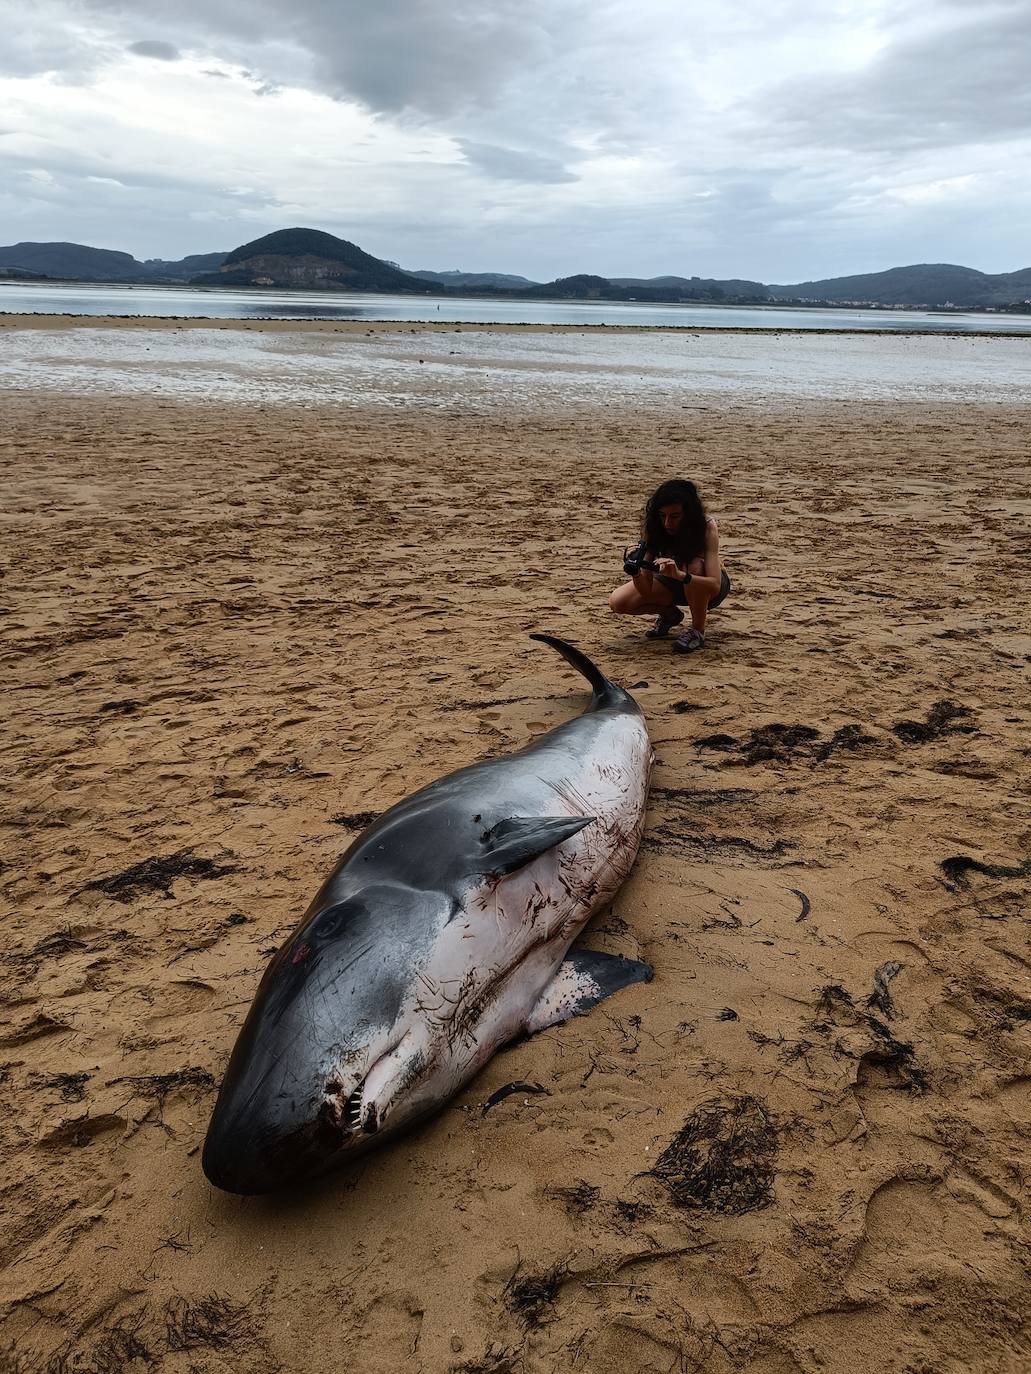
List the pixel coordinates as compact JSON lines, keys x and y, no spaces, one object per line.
{"x":679,"y":590}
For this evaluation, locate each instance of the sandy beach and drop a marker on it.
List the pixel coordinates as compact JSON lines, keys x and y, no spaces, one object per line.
{"x":235,"y":633}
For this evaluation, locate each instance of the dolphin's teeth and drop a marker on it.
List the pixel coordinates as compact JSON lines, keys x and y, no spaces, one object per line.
{"x":353,"y":1110}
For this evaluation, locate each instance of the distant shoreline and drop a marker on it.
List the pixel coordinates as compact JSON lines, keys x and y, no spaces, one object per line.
{"x":44,"y":320}
{"x":443,"y":292}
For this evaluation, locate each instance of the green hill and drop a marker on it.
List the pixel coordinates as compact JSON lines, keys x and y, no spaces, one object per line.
{"x":934,"y":284}
{"x":79,"y":262}
{"x":309,"y":259}
{"x":689,"y":288}
{"x":681,"y":290}
{"x":184,"y":268}
{"x":503,"y":280}
{"x":73,"y":260}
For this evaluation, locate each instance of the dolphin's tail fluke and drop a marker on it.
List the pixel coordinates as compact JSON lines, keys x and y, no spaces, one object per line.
{"x":606,"y":693}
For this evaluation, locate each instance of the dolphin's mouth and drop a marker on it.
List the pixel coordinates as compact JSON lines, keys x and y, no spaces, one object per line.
{"x":366,"y":1107}
{"x":351,"y":1115}
{"x":359,"y":1116}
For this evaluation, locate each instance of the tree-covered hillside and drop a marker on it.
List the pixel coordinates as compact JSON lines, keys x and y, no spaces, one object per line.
{"x":298,"y":257}
{"x":923,"y":283}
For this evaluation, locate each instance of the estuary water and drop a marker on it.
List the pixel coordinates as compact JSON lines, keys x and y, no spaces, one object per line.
{"x":195,"y":302}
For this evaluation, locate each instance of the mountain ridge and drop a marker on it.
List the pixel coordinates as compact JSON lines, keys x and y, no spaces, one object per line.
{"x":313,"y":259}
{"x":80,"y":262}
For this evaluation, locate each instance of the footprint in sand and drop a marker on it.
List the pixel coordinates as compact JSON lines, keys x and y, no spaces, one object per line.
{"x":179,"y":999}
{"x":81,"y":1130}
{"x":916,"y":1233}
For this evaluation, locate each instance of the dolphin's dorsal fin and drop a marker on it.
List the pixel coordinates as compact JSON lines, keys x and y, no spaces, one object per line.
{"x":605,"y":692}
{"x":585,"y":978}
{"x":514,"y":842}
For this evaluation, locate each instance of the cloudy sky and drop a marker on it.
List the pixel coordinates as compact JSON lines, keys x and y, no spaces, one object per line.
{"x":777,"y":140}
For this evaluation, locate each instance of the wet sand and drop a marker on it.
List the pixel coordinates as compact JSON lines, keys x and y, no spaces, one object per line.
{"x":231,"y":636}
{"x":692,"y":324}
{"x":467,"y":369}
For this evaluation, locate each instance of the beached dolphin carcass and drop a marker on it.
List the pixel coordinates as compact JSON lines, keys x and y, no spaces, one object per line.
{"x":442,"y":934}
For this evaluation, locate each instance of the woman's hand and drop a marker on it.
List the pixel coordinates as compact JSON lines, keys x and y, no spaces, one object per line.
{"x":668,"y":567}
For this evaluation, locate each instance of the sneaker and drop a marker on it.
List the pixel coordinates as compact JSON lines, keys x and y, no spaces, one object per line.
{"x":689,"y":642}
{"x":664,"y":622}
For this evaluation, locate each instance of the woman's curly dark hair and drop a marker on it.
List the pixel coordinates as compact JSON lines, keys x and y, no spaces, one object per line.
{"x":689,"y":540}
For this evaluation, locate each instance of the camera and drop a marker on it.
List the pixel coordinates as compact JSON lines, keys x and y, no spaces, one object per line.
{"x":635,"y":561}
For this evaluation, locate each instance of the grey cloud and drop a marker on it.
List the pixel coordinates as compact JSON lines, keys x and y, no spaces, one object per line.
{"x":740,"y":219}
{"x":510,"y":164}
{"x":39,"y":39}
{"x":69,"y":168}
{"x":960,"y":85}
{"x":164,"y":52}
{"x":430,"y":57}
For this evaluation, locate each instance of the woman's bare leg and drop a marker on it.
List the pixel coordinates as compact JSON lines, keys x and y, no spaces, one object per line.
{"x":634,"y":599}
{"x":698,"y":604}
{"x":697,"y":599}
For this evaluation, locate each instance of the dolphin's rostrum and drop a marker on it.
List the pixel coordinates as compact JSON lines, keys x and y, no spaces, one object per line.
{"x":441,"y":934}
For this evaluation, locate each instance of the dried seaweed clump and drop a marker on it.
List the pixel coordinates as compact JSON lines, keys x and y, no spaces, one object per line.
{"x":159,"y":1085}
{"x":504,"y":1360}
{"x":581,"y":1197}
{"x":531,"y":1295}
{"x":723,"y":1158}
{"x":212,"y":1321}
{"x":356,"y":820}
{"x":120,"y":1347}
{"x":766,"y":742}
{"x":941,"y":720}
{"x":959,"y":866}
{"x":156,"y":875}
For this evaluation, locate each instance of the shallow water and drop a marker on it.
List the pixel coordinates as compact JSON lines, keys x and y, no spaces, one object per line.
{"x":483,"y":371}
{"x":82,"y":299}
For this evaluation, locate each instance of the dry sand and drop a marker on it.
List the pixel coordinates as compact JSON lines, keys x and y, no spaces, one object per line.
{"x":230,"y":637}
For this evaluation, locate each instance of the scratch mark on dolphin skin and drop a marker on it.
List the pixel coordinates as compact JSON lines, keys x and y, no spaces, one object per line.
{"x":537,"y":904}
{"x":349,"y":965}
{"x":573,"y":798}
{"x":470,"y":1005}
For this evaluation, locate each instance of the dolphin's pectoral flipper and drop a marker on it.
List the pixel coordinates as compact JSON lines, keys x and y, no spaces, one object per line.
{"x":585,"y":978}
{"x":514,"y":842}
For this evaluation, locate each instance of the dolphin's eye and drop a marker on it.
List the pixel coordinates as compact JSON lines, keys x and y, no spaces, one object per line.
{"x":330,"y":923}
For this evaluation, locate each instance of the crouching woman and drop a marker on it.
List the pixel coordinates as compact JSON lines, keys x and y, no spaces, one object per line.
{"x":677,"y":564}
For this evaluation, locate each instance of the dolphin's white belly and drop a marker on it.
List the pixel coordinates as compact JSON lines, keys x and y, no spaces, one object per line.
{"x":495,"y":958}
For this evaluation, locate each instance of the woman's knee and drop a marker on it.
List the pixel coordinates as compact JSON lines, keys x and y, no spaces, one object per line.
{"x":697,"y":596}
